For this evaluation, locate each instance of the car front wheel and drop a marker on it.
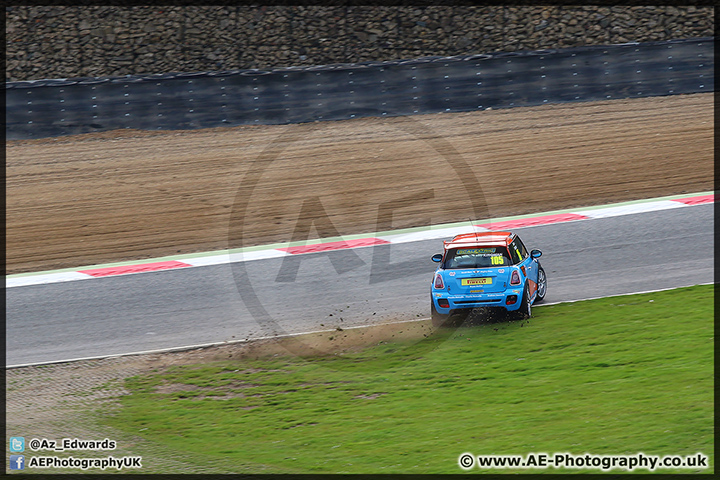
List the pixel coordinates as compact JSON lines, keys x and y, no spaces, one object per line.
{"x":541,"y":285}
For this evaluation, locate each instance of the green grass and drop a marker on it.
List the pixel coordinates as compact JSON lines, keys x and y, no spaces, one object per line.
{"x":620,"y":375}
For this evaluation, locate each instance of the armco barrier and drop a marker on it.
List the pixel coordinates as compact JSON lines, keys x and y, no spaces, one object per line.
{"x":46,"y":108}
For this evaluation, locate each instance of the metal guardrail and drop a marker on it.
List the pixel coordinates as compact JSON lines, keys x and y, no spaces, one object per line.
{"x":47,"y":108}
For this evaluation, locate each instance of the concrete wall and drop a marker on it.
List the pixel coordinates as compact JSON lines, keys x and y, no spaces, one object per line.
{"x":92,"y":41}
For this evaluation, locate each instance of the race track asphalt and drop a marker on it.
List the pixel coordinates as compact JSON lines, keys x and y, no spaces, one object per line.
{"x":385,"y":283}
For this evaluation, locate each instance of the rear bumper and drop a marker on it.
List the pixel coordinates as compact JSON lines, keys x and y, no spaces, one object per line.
{"x":498,"y":299}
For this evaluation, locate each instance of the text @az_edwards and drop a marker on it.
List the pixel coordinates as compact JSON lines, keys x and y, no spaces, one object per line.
{"x":40,"y":444}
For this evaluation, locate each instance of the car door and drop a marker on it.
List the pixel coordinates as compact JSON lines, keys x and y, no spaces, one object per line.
{"x":528,"y":264}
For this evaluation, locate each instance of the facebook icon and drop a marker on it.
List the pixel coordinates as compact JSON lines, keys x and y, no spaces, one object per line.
{"x":17,"y":462}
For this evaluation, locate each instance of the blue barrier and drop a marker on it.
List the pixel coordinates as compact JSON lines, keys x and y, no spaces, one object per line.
{"x":47,"y":108}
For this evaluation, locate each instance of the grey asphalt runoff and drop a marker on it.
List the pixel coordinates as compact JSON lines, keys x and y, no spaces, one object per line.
{"x":344,"y":288}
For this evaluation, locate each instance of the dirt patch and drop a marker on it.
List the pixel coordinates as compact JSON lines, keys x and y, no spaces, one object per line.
{"x":128,"y":195}
{"x":182,"y":387}
{"x":175,"y":388}
{"x":371,"y":396}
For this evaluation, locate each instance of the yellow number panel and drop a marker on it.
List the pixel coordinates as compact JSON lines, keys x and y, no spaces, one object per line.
{"x":475,"y":281}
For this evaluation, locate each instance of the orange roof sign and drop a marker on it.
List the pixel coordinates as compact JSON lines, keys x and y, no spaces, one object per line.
{"x":480,"y":239}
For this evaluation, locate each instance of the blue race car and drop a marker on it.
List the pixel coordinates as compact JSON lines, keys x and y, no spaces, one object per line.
{"x":487,"y":269}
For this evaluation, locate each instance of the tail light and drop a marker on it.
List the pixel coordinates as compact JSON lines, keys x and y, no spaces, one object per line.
{"x":515,"y":278}
{"x":439,"y":282}
{"x":443,"y":303}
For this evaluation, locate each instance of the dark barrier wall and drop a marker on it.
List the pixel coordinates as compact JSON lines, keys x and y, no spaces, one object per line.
{"x":46,"y":108}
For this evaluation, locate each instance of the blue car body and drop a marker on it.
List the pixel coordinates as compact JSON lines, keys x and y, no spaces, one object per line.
{"x":486,"y":269}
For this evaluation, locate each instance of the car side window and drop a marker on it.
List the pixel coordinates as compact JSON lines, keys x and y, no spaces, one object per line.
{"x":517,"y":251}
{"x":523,"y":250}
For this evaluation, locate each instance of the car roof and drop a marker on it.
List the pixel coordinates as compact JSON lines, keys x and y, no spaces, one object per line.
{"x":480,"y":239}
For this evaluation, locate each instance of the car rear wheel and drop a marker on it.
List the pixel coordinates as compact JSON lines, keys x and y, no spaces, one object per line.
{"x":438,"y":319}
{"x":541,"y":285}
{"x":525,"y":310}
{"x":459,"y":316}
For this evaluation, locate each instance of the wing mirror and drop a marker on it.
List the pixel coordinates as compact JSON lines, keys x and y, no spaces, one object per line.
{"x":437,"y":258}
{"x":536,"y":254}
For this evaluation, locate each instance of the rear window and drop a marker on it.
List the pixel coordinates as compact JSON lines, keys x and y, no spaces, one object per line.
{"x":477,"y":257}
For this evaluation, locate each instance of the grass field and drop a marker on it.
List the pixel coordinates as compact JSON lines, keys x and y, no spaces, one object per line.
{"x":619,"y":375}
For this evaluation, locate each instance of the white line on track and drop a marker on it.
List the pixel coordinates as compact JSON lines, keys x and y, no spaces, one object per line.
{"x":630,"y":209}
{"x":45,"y":278}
